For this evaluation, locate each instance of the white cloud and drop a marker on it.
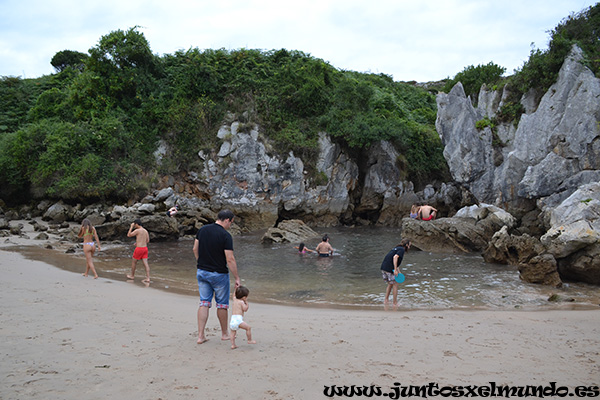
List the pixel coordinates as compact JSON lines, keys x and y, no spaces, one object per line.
{"x":406,"y":39}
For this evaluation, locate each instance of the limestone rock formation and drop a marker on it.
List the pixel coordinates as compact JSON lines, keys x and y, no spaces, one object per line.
{"x":248,"y":177}
{"x":468,"y":231}
{"x":531,"y":169}
{"x":554,"y":149}
{"x":289,"y":231}
{"x":535,"y":264}
{"x":574,"y":236}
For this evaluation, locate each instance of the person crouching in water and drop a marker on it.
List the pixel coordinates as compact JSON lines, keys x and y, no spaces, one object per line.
{"x":240,"y":306}
{"x":390,"y":269}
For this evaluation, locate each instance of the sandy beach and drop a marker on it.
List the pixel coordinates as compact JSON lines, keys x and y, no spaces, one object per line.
{"x":64,"y":336}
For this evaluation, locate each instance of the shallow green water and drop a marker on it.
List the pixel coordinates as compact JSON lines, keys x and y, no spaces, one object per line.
{"x":351,"y":278}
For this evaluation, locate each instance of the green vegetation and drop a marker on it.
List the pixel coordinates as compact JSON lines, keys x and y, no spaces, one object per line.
{"x":67,"y":58}
{"x":540,"y":71}
{"x":491,"y":123}
{"x":89,"y":131}
{"x":472,"y":78}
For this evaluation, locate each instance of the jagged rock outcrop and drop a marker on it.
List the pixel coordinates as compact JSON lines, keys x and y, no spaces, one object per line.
{"x":468,"y":231}
{"x":535,"y":264}
{"x":262,"y":188}
{"x":574,"y":238}
{"x":554,"y":149}
{"x":289,"y":231}
{"x":532,"y":169}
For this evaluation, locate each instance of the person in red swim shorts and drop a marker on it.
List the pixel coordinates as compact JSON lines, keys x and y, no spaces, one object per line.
{"x":142,"y":238}
{"x":427,"y":213}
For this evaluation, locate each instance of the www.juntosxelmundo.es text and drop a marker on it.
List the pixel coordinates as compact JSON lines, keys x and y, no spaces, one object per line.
{"x":397,"y":391}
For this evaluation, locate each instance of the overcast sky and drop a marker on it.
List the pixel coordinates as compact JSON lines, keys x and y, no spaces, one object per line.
{"x":409,"y":40}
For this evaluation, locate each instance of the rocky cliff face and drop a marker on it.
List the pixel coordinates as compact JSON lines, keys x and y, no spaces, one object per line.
{"x":262,"y":188}
{"x":545,"y":171}
{"x":554,"y":149}
{"x":547,"y":164}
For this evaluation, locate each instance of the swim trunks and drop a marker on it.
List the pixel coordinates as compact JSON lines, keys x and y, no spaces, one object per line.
{"x":140,"y":253}
{"x":235,"y":322}
{"x":428,"y":218}
{"x":389,"y":277}
{"x":323,"y":254}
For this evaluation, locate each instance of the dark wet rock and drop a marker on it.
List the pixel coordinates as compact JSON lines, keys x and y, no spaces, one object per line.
{"x":42,"y":236}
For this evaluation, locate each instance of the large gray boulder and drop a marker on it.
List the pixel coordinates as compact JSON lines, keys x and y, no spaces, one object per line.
{"x":289,"y":231}
{"x":575,"y":223}
{"x":470,"y":230}
{"x":59,"y":212}
{"x":574,"y":236}
{"x":535,"y":264}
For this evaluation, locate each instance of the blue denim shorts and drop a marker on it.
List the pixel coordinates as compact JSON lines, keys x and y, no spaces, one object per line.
{"x":210,"y":283}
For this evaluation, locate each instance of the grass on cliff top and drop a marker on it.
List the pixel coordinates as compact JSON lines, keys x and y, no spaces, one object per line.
{"x":89,"y":131}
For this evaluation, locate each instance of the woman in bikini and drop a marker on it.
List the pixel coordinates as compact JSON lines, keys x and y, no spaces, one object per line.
{"x":302,"y":249}
{"x":414,"y":211}
{"x":88,"y":233}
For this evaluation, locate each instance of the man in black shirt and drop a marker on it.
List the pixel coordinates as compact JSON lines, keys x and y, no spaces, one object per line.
{"x":389,"y":269}
{"x":213,"y":249}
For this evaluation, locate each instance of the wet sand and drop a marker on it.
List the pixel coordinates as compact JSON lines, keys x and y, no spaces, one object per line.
{"x":64,"y":336}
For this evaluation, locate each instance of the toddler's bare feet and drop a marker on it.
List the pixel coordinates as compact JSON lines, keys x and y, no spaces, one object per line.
{"x":129,"y":277}
{"x":201,"y":340}
{"x":233,"y":346}
{"x":251,"y":341}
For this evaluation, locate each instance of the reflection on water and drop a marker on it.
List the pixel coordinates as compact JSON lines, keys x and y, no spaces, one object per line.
{"x":276,"y":273}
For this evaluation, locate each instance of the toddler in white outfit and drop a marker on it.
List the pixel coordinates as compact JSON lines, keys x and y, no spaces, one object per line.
{"x":240,"y":306}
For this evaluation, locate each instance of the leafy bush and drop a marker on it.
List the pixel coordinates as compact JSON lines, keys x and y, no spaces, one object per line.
{"x":541,"y":69}
{"x":68,"y":59}
{"x":472,"y":78}
{"x":73,"y":161}
{"x":89,"y":133}
{"x":483,"y":123}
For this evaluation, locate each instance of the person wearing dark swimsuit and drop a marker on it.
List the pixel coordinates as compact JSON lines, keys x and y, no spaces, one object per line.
{"x":324,"y":248}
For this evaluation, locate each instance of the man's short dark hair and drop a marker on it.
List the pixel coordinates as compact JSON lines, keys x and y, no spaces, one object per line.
{"x":138,"y":222}
{"x":224,"y":215}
